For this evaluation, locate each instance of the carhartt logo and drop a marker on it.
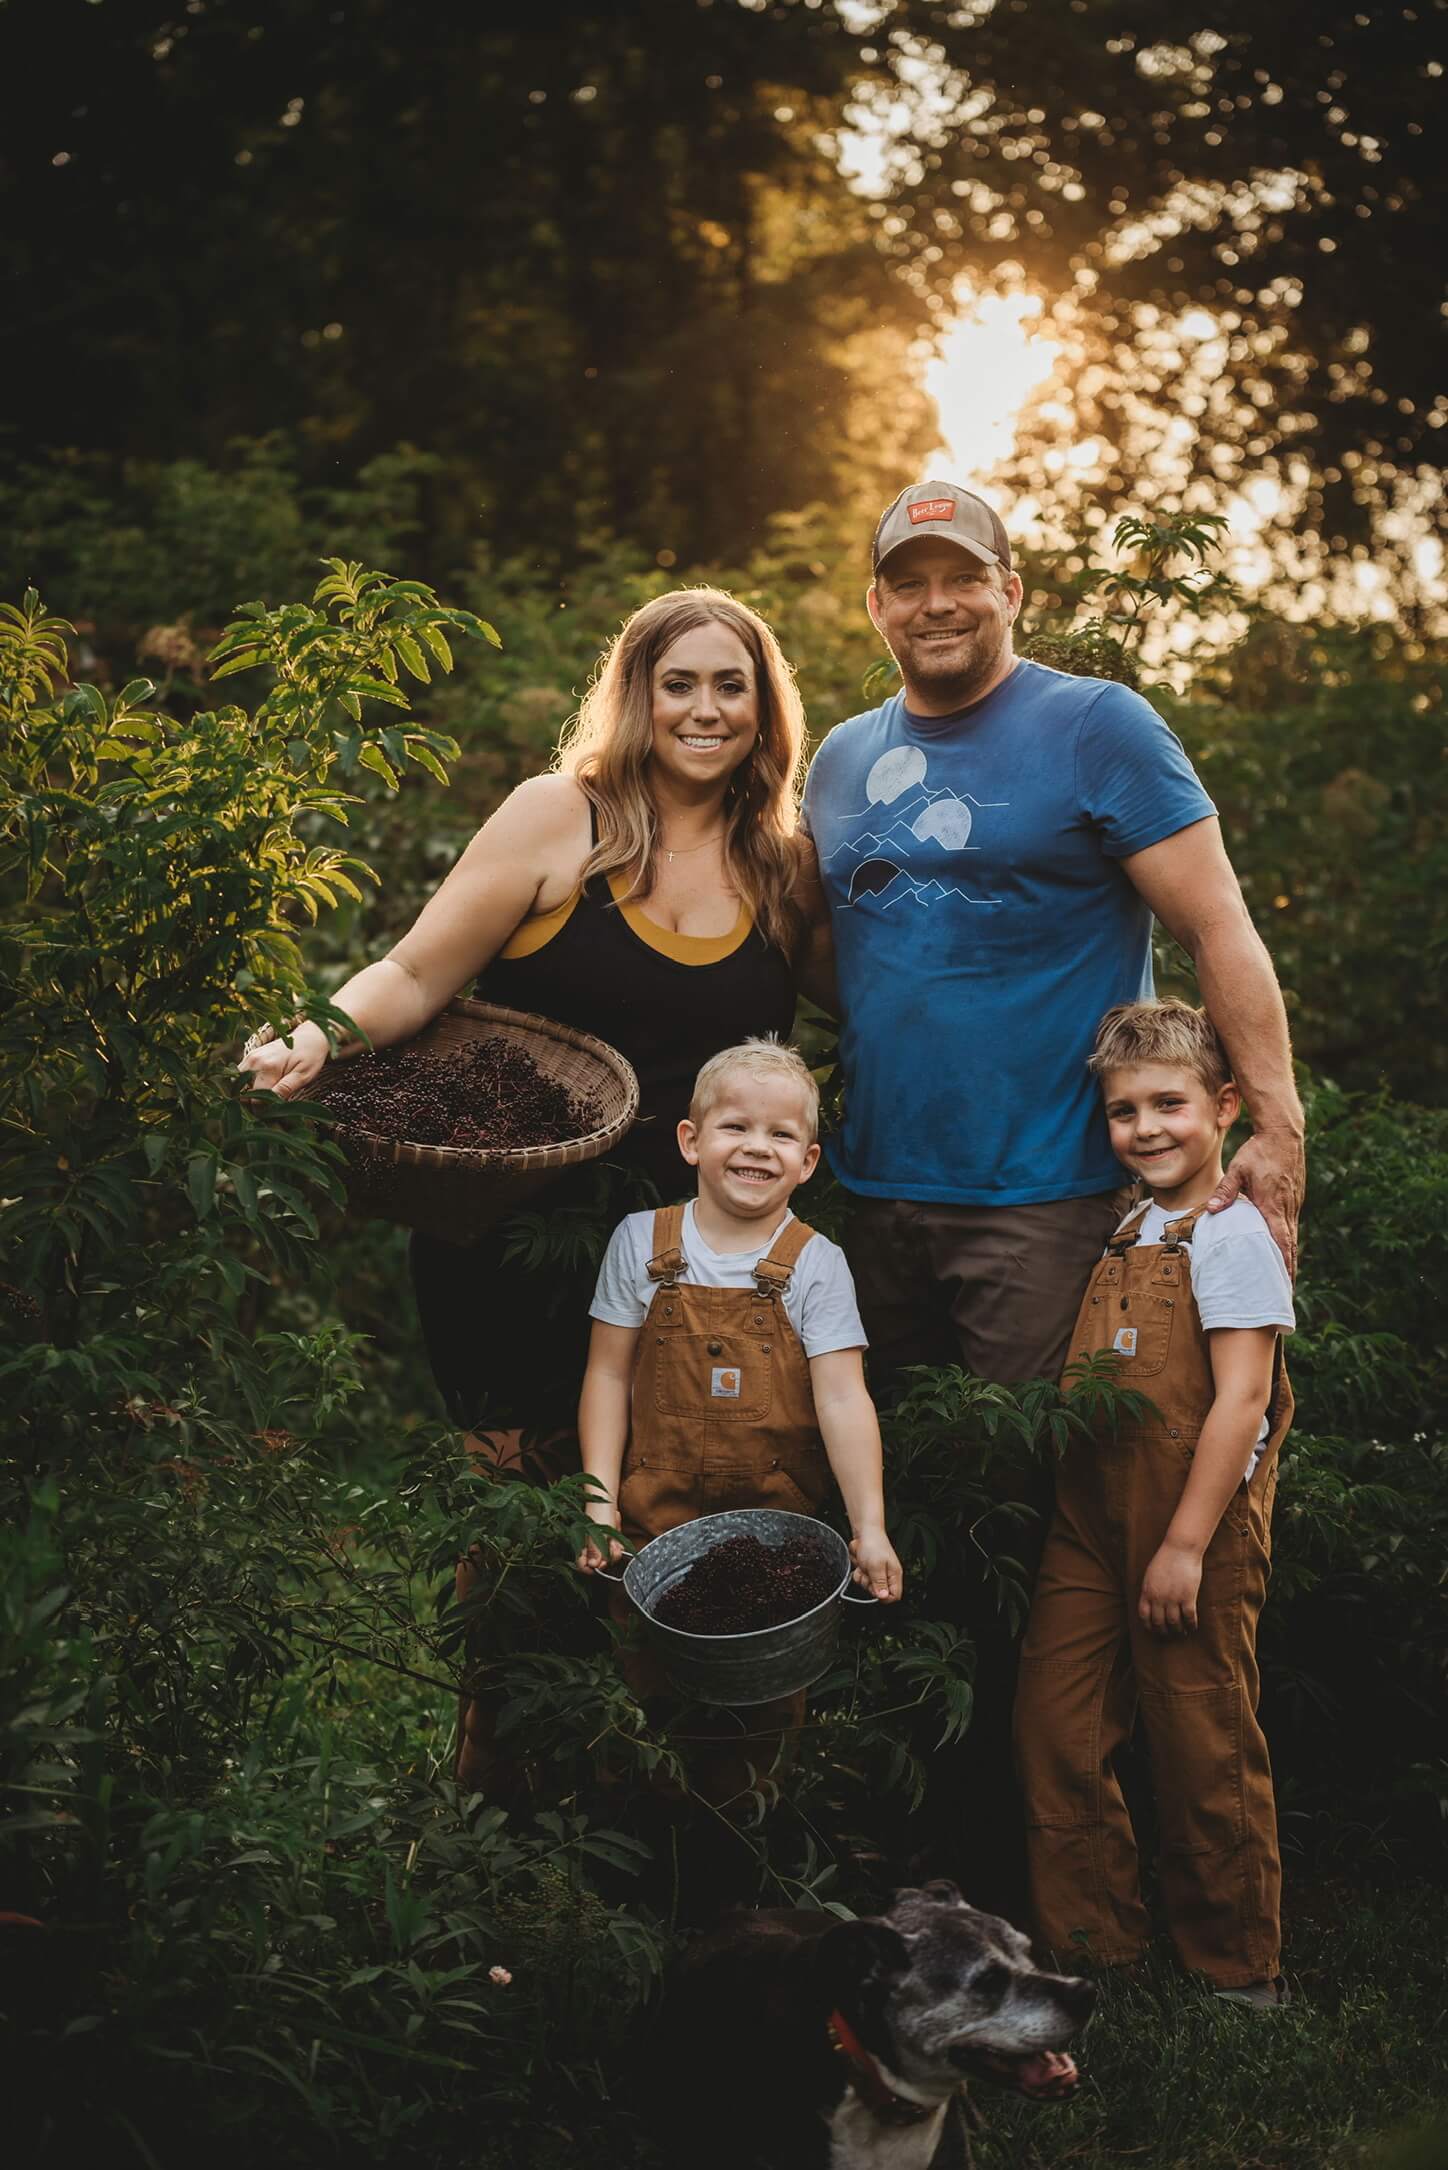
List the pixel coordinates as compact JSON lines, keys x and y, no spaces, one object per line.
{"x":931,"y":508}
{"x":1125,"y":1342}
{"x":724,"y":1385}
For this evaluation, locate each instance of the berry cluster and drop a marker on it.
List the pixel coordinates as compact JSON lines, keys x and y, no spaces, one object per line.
{"x":743,"y":1585}
{"x":484,"y":1096}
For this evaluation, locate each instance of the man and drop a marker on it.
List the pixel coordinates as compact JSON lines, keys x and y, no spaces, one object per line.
{"x":994,"y":841}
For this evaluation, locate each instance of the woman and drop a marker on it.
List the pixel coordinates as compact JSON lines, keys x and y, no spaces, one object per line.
{"x":644,"y":891}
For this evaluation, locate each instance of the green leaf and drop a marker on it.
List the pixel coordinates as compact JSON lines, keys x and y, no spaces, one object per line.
{"x":425,"y":758}
{"x":84,"y":701}
{"x":412,"y":656}
{"x":377,"y":689}
{"x":201,"y":1183}
{"x":432,"y":634}
{"x":372,"y":757}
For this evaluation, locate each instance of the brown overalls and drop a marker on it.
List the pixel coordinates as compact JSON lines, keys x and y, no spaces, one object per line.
{"x":723,"y":1409}
{"x":723,"y":1416}
{"x":1087,"y":1661}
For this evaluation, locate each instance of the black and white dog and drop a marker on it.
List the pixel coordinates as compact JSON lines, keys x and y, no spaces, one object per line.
{"x":808,"y":2043}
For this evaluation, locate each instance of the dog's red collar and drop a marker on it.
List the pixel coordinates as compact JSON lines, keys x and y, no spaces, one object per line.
{"x":869,"y":2082}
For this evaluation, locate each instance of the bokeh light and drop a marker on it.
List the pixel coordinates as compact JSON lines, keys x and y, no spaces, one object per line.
{"x":990,"y":362}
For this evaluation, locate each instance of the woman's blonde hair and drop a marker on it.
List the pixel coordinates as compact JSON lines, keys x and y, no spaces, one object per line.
{"x":606,"y":746}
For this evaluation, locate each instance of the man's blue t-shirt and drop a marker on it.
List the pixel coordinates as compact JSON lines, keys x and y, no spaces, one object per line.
{"x":983,"y":926}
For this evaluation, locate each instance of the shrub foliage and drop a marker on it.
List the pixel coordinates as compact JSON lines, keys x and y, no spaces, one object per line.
{"x":244,"y":1896}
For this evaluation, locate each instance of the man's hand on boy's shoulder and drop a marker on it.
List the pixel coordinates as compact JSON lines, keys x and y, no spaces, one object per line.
{"x":1271,"y":1170}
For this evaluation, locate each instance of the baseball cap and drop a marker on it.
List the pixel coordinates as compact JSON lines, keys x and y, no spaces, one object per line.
{"x":942,"y":513}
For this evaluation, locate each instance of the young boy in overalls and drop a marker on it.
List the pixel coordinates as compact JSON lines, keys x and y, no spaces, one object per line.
{"x":725,"y":1367}
{"x":1156,"y":1564}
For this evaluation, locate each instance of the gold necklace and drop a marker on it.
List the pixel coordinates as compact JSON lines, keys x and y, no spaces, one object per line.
{"x":683,"y":850}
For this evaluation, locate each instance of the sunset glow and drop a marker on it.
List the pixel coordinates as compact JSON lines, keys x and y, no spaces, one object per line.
{"x":991,"y":361}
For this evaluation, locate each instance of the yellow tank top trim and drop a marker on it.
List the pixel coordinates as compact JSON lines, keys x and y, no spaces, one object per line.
{"x":536,"y":934}
{"x":683,"y":948}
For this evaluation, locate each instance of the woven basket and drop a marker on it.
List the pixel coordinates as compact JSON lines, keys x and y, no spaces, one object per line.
{"x":449,"y":1192}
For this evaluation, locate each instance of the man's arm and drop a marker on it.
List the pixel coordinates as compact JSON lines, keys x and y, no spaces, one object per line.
{"x":1187,"y":880}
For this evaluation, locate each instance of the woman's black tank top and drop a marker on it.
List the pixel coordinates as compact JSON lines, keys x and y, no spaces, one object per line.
{"x":666,"y":1001}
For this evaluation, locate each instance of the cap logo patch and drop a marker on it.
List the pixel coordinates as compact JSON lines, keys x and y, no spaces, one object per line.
{"x":931,"y":508}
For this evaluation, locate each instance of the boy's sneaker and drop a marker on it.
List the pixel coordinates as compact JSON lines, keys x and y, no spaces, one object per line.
{"x":1258,"y":1996}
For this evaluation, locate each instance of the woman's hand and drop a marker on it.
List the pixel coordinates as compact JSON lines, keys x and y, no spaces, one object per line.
{"x":286,"y":1070}
{"x":876,"y":1567}
{"x":1168,"y":1604}
{"x":591,"y":1558}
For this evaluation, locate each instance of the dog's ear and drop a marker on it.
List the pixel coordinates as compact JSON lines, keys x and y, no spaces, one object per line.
{"x":858,"y":1952}
{"x":939,"y":1887}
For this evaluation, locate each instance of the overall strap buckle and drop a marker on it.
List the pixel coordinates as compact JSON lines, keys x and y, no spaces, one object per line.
{"x":668,"y":1261}
{"x":1128,"y":1233}
{"x":1177,"y":1234}
{"x":772,"y":1275}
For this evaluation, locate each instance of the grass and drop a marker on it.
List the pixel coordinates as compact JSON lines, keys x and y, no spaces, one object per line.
{"x":1353,"y":2076}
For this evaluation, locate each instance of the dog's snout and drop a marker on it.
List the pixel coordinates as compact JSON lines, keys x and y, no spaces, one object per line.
{"x":1078,"y":1996}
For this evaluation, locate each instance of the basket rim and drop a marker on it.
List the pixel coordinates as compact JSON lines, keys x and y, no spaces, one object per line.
{"x":588,"y":1145}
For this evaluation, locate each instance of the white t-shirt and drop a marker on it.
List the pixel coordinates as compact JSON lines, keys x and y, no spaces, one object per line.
{"x":819,"y":1302}
{"x":1239,"y":1277}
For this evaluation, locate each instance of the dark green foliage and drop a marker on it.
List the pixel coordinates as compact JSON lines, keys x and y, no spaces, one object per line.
{"x":1355,"y":1642}
{"x":229,"y":1646}
{"x":1322,"y":746}
{"x":150,"y":553}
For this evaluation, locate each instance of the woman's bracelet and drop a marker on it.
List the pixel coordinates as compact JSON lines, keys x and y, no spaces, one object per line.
{"x":265,"y":1034}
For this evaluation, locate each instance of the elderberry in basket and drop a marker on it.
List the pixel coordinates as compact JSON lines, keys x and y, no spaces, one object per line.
{"x":483,"y":1096}
{"x":741,"y":1586}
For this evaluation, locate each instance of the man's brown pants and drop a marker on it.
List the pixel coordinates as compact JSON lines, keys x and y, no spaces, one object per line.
{"x":994,"y":1289}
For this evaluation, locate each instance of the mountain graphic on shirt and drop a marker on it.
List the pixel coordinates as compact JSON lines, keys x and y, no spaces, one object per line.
{"x":889,"y":884}
{"x":946,"y":817}
{"x":939,"y":819}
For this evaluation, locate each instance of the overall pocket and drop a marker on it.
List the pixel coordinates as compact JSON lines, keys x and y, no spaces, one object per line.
{"x":1138,"y":1330}
{"x":726,"y":1378}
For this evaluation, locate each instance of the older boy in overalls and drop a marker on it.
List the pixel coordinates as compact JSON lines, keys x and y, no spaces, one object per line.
{"x":1156,"y":1564}
{"x":725,"y":1366}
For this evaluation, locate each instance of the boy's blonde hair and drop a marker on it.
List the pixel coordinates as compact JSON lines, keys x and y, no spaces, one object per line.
{"x":757,"y":1058}
{"x":1168,"y":1032}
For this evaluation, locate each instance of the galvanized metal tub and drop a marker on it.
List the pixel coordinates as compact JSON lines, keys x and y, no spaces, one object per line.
{"x":754,"y":1667}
